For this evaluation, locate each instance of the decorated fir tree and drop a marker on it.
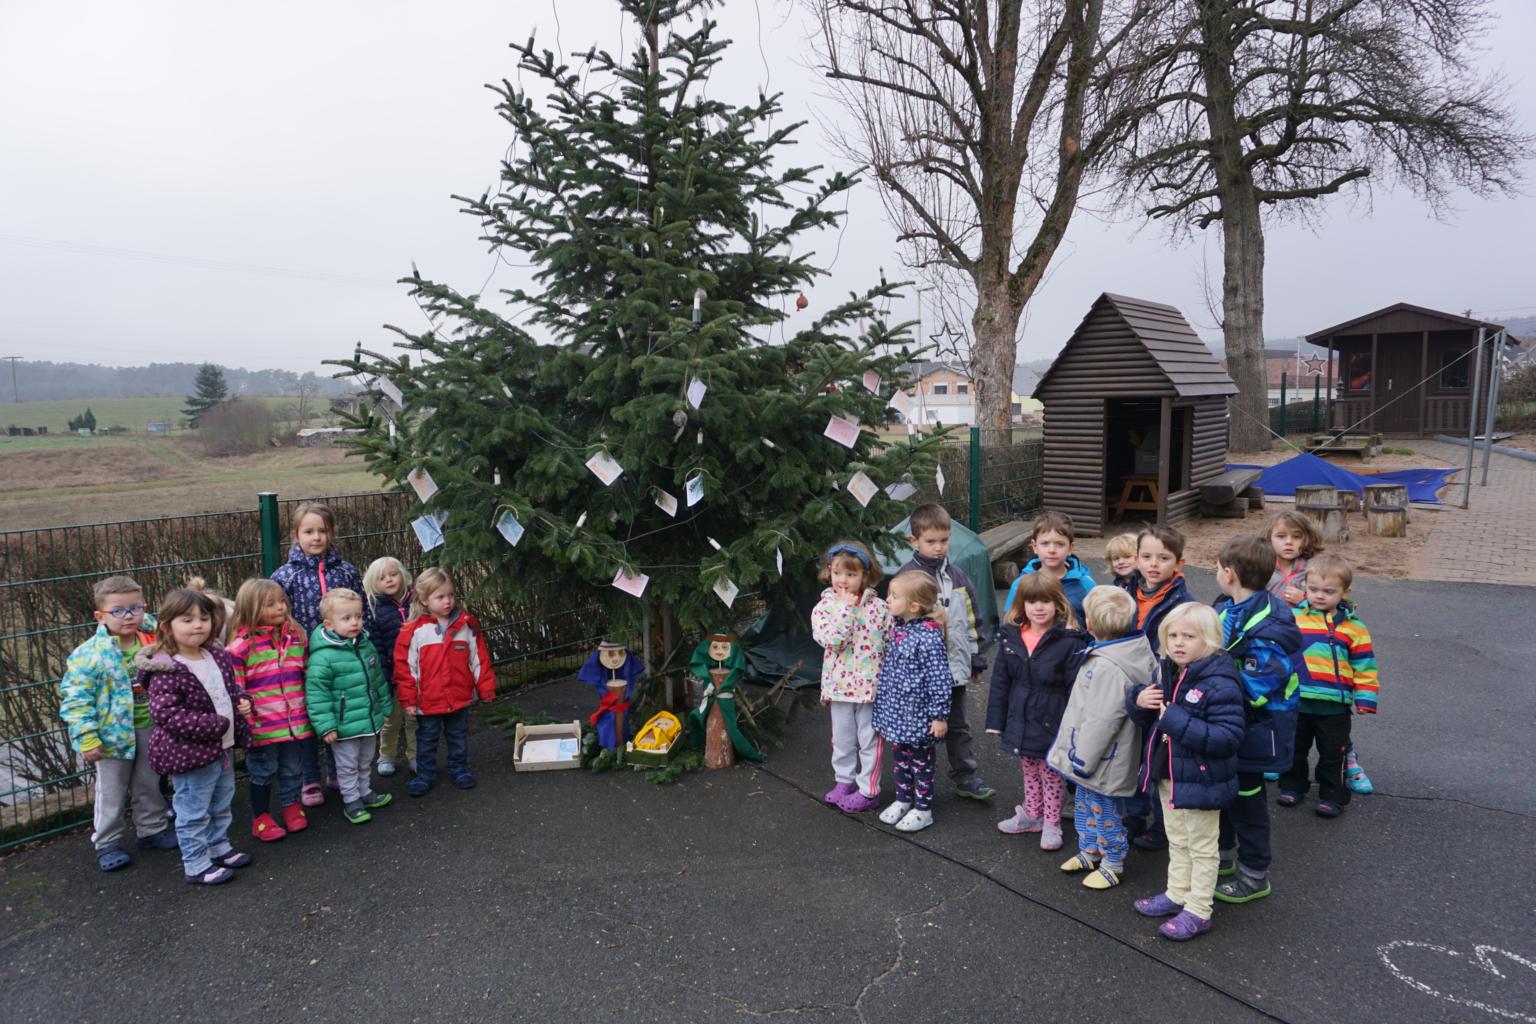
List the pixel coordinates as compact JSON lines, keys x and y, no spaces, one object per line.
{"x":661,"y":349}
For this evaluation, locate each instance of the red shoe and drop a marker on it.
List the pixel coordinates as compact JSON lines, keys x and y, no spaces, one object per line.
{"x":266,"y":828}
{"x":294,"y":819}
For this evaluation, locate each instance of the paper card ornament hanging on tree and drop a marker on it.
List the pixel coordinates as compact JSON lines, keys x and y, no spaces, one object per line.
{"x":938,"y":478}
{"x":778,"y":560}
{"x":902,"y":403}
{"x":696,"y":389}
{"x":726,"y":591}
{"x":872,"y":382}
{"x":391,"y":392}
{"x":862,"y":488}
{"x":508,"y":526}
{"x":667,"y":503}
{"x":633,"y":585}
{"x":422,"y":483}
{"x":429,"y":532}
{"x":900,"y":491}
{"x":844,"y":432}
{"x":605,"y":468}
{"x":694,"y":490}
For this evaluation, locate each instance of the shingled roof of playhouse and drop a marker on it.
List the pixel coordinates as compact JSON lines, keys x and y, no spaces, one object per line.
{"x":1165,"y":345}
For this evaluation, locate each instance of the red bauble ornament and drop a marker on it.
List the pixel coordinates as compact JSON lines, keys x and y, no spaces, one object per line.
{"x":801,"y":302}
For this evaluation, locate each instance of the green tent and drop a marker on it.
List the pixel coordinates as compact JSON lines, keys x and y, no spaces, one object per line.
{"x":968,"y":552}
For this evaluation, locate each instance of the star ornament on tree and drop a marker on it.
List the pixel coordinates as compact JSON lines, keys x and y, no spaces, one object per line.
{"x":1315,"y":366}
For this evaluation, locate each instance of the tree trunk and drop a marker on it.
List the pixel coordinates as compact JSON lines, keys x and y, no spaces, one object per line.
{"x":1242,"y":236}
{"x":996,"y":328}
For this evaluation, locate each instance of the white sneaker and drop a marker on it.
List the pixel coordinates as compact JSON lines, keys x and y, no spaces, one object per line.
{"x":915,"y":821}
{"x":386,"y":766}
{"x":894,"y":813}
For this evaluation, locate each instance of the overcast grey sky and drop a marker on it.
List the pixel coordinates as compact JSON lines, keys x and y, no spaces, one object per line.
{"x":164,"y":166}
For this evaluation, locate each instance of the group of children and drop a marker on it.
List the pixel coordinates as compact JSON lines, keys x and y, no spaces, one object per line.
{"x":316,"y":654}
{"x":1167,"y":716}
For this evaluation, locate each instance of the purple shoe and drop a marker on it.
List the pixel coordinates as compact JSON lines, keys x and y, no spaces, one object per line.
{"x":1184,"y":927}
{"x":858,"y":803}
{"x":838,"y":793}
{"x":1158,"y":906}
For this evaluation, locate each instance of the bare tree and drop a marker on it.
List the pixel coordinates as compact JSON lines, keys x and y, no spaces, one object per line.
{"x":305,"y":388}
{"x":979,"y":120}
{"x":1269,"y":107}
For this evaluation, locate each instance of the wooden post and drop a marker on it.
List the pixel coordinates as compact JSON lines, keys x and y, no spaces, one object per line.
{"x":1377,"y":495}
{"x":1423,"y":390}
{"x":1321,"y":495}
{"x":1387,"y":521}
{"x":1375,"y":386}
{"x":719,"y":752}
{"x":1164,"y":442}
{"x":1328,"y":414}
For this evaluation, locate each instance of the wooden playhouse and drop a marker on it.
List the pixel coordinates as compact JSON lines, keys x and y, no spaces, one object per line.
{"x":1135,"y":417}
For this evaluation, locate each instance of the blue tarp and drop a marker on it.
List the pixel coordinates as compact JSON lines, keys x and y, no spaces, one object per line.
{"x":1283,"y":478}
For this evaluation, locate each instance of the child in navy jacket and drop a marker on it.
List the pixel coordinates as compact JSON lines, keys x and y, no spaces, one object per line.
{"x":912,"y":696}
{"x":1195,"y":716}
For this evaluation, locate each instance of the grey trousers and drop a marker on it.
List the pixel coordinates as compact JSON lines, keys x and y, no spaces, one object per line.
{"x":957,"y":741}
{"x":117,"y":781}
{"x":354,"y":764}
{"x":855,"y":746}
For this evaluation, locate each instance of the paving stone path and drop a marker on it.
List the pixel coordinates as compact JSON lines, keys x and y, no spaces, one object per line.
{"x":1493,"y":541}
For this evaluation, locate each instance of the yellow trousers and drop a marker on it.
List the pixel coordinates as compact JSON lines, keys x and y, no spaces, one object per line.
{"x":1193,"y":838}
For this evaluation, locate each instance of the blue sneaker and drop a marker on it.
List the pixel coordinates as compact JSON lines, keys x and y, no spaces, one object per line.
{"x":464,"y":780}
{"x":974,"y":789}
{"x":1357,"y":781}
{"x":165,"y":839}
{"x":419,"y":786}
{"x":1271,"y":776}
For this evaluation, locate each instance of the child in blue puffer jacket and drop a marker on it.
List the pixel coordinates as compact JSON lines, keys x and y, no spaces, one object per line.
{"x":1195,"y":715}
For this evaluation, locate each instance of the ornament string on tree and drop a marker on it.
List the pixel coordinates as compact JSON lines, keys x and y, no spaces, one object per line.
{"x":667,"y":235}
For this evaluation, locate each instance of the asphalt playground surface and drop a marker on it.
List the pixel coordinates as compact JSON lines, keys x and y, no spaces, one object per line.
{"x":737,"y":895}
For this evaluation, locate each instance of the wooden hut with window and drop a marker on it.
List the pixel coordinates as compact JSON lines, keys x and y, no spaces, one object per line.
{"x":1406,"y":371}
{"x":1135,"y":417}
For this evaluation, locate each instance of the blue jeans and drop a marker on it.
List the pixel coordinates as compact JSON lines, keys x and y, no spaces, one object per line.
{"x":454,"y":728}
{"x":311,"y":746}
{"x":202,"y":801}
{"x":281,"y":761}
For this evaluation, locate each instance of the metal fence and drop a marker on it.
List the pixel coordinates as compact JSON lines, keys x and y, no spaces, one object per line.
{"x":990,"y":477}
{"x":45,"y":612}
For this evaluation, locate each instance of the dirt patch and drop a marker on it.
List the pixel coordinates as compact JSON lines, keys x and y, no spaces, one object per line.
{"x":78,"y":467}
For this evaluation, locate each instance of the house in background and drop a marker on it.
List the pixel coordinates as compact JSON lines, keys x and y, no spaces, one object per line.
{"x":1291,"y":376}
{"x":943,"y":393}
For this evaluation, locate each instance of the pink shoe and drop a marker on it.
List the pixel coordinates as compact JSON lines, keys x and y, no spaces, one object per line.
{"x":837,"y":793}
{"x":1050,"y":836}
{"x":311,"y":795}
{"x":1019,"y":823}
{"x":858,"y":803}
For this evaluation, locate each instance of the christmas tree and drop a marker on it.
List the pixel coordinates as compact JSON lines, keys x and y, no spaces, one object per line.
{"x":660,"y":347}
{"x":212,"y":391}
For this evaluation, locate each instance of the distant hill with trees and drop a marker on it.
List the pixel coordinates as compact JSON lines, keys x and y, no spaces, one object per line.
{"x":42,"y":380}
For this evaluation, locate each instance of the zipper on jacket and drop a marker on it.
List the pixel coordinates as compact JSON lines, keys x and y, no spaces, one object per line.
{"x":368,"y":689}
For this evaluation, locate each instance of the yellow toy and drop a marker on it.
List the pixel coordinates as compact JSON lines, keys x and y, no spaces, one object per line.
{"x":659,"y":733}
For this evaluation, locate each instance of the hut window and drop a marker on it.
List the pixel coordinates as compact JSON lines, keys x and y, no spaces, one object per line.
{"x":1357,"y":372}
{"x":1453,"y":369}
{"x":940,"y":387}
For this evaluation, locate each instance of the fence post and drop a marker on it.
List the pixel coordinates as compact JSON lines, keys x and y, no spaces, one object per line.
{"x":1317,"y":404}
{"x":271,"y":532}
{"x":1283,"y":431}
{"x":975,"y":516}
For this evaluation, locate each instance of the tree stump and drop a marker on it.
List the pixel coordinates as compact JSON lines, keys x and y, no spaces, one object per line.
{"x":719,"y":752}
{"x":1387,"y":496}
{"x":1320,"y":495}
{"x":1350,"y":500}
{"x":1387,"y":520}
{"x":1255,"y":496}
{"x":1331,"y":520}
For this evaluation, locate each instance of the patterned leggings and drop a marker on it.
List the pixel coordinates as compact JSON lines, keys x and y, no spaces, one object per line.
{"x":1100,"y":823}
{"x":1043,"y":790}
{"x":914,"y":774}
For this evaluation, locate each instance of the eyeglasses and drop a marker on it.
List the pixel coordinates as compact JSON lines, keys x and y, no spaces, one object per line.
{"x":130,"y":611}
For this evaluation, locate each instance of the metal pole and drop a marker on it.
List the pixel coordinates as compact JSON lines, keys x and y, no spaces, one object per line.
{"x":1283,"y":424}
{"x":1495,"y":375}
{"x":271,"y":532}
{"x":1317,"y":403}
{"x":975,"y":516}
{"x":1477,"y":385}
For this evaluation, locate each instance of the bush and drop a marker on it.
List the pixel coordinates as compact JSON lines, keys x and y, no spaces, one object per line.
{"x":236,"y":428}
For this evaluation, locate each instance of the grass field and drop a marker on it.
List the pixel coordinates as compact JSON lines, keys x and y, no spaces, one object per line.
{"x":67,"y":481}
{"x":134,"y":413}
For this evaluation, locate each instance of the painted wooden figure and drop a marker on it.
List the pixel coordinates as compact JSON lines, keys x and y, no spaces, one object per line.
{"x":612,"y":670}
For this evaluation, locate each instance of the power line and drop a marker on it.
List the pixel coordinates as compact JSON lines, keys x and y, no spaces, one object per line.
{"x":15,"y":394}
{"x":168,"y":259}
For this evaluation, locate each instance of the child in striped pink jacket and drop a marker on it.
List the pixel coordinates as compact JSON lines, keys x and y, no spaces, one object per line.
{"x":268,"y":652}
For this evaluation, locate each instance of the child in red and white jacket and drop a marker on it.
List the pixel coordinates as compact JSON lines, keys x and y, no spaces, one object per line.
{"x":441,"y":661}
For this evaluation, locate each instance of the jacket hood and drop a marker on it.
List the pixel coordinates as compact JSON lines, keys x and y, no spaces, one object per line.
{"x":323,"y":637}
{"x":1278,"y":627}
{"x":1076,"y":570}
{"x":296,"y":556}
{"x":153,"y":659}
{"x":1132,"y":655}
{"x":1345,"y":612}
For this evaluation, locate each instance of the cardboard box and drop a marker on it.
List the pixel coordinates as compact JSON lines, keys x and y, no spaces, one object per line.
{"x":569,"y":731}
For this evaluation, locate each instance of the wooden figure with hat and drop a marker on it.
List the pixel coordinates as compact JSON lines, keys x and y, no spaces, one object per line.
{"x":613,"y":670}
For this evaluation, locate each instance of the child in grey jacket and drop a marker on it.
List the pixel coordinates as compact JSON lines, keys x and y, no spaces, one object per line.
{"x":1098,"y":745}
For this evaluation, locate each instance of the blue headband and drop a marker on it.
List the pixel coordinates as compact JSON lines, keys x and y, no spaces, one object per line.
{"x":848,"y":549}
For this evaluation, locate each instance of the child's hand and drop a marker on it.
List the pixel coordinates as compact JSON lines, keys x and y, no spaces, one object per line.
{"x":331,"y":736}
{"x":413,"y":711}
{"x":994,"y":732}
{"x":1361,"y":709}
{"x":1150,"y":698}
{"x":847,"y":597}
{"x":938,"y":729}
{"x":91,"y":756}
{"x":244,"y":707}
{"x":1292,"y":596}
{"x":975,"y":677}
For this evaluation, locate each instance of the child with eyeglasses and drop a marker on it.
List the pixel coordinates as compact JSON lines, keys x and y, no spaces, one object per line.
{"x":107,"y":714}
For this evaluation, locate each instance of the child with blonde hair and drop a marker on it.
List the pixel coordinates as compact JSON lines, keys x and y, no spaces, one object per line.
{"x":850,"y":622}
{"x":1038,"y":650}
{"x":1120,"y":553}
{"x":267,"y":654}
{"x":200,"y":718}
{"x":912,"y":695}
{"x":388,"y":590}
{"x":1194,"y":716}
{"x":348,"y":699}
{"x":441,"y":661}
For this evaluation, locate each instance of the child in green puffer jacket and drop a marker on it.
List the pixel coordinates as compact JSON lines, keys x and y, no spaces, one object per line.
{"x":348,"y":699}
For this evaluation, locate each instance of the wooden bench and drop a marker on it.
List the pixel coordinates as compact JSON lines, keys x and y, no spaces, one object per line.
{"x":1223,"y":489}
{"x":1004,"y":543}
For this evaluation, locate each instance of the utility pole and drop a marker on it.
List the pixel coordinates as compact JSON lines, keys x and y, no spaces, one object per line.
{"x":15,"y":394}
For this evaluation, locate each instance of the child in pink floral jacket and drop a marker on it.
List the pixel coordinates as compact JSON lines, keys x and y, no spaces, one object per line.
{"x":850,"y":622}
